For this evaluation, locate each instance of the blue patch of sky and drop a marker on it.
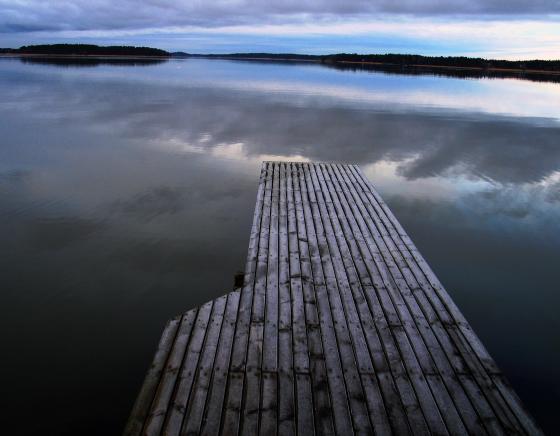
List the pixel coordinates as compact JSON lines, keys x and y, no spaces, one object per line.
{"x":307,"y":44}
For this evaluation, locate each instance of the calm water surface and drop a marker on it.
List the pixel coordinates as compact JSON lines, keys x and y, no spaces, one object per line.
{"x":127,"y":192}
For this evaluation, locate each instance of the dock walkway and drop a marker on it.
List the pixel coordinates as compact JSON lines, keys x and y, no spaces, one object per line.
{"x":341,"y":327}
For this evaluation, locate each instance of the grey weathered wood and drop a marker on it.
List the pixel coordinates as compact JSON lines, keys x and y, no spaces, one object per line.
{"x":252,"y":388}
{"x":350,"y":235}
{"x":331,"y":349}
{"x":216,"y":401}
{"x":298,"y":304}
{"x":269,"y":405}
{"x":253,"y":373}
{"x":195,"y":411}
{"x":436,"y":346}
{"x":145,"y":398}
{"x":185,"y":379}
{"x":341,"y":327}
{"x":474,"y":342}
{"x":232,"y":411}
{"x":374,"y":266}
{"x":384,"y":226}
{"x":480,"y":362}
{"x":455,"y":425}
{"x":168,"y":381}
{"x":239,"y":352}
{"x":315,"y":364}
{"x":286,"y":383}
{"x":270,"y":346}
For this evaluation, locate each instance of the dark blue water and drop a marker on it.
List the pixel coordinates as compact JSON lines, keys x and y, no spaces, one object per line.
{"x":127,"y":192}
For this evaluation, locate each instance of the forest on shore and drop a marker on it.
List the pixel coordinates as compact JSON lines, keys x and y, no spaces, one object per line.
{"x":390,"y":59}
{"x":396,"y":59}
{"x":86,"y":50}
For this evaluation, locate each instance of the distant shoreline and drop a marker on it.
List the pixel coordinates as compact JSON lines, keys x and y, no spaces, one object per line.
{"x":287,"y":59}
{"x":271,"y":59}
{"x":365,"y":63}
{"x":515,"y":70}
{"x":536,"y":69}
{"x":73,"y":56}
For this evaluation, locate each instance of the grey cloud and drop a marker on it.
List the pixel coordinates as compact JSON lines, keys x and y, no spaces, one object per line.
{"x":32,"y":15}
{"x":553,"y":193}
{"x":504,"y":149}
{"x":423,"y":144}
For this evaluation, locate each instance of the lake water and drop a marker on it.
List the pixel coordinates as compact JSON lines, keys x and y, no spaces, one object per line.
{"x":127,"y":193}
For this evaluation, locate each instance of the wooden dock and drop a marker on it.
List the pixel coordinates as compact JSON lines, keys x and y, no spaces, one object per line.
{"x":341,"y":327}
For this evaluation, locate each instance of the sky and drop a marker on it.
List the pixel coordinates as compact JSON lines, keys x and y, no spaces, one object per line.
{"x":509,"y":29}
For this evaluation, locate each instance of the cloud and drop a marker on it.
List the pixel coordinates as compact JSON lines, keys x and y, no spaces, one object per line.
{"x":84,"y":15}
{"x":519,"y":29}
{"x":287,"y":118}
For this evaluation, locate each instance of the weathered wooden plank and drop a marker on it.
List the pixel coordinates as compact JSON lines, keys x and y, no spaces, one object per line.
{"x":515,"y":404}
{"x":270,"y":345}
{"x":236,"y":376}
{"x":446,"y":356}
{"x":305,"y":424}
{"x":433,"y":343}
{"x":298,"y":304}
{"x":428,"y":404}
{"x":216,"y":401}
{"x":252,"y":390}
{"x":393,"y":403}
{"x":344,"y":272}
{"x":286,"y":383}
{"x":345,"y":321}
{"x":408,"y":311}
{"x":314,"y":363}
{"x":480,"y":403}
{"x":461,"y":333}
{"x":331,"y":349}
{"x":146,"y":396}
{"x":356,"y":310}
{"x":306,"y":272}
{"x":417,"y":302}
{"x":451,"y":415}
{"x":253,"y":373}
{"x":374,"y":267}
{"x":321,"y":381}
{"x":499,"y":407}
{"x":284,"y":297}
{"x":259,"y":290}
{"x":473,"y":340}
{"x":182,"y":392}
{"x":231,"y":421}
{"x":169,"y":377}
{"x":239,"y":352}
{"x":376,"y":406}
{"x":195,"y":411}
{"x":269,"y":406}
